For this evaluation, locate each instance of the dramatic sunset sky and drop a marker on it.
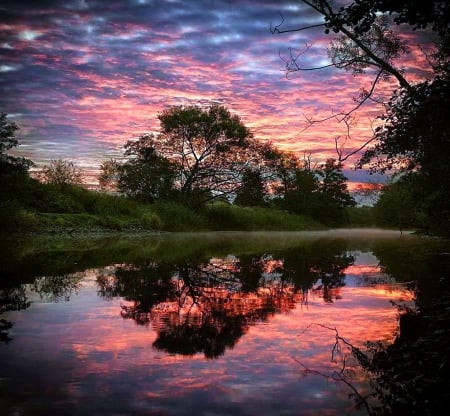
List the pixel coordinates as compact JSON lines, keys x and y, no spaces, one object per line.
{"x":82,"y":77}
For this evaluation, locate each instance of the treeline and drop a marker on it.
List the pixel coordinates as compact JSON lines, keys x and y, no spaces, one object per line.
{"x":203,"y":171}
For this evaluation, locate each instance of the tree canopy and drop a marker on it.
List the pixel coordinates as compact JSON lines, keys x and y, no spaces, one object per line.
{"x":200,"y":154}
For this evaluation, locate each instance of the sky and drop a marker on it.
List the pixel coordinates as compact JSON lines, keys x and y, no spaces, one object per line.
{"x":82,"y":77}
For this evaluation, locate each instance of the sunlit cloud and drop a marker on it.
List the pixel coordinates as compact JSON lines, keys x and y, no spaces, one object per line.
{"x":99,"y":73}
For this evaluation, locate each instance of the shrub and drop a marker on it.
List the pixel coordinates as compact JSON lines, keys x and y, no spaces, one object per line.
{"x":176,"y":217}
{"x":150,"y":220}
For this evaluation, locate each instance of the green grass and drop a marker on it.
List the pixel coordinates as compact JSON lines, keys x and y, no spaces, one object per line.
{"x":30,"y":206}
{"x":226,"y":217}
{"x":361,"y":216}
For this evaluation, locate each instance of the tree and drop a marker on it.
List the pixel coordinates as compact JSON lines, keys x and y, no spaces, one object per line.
{"x":414,"y":132}
{"x":109,"y":175}
{"x":148,"y":175}
{"x":396,"y":206}
{"x":301,"y":195}
{"x":8,"y":141}
{"x":334,"y":196}
{"x":252,"y":190}
{"x":415,"y":138}
{"x":209,"y":149}
{"x":364,"y":39}
{"x":61,"y":173}
{"x":334,"y":184}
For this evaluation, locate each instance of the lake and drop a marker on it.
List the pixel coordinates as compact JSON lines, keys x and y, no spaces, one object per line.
{"x":200,"y":324}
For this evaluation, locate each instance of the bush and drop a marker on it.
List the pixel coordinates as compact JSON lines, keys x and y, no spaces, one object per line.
{"x":14,"y":218}
{"x":230,"y":217}
{"x":176,"y":217}
{"x":361,"y":216}
{"x":151,"y":221}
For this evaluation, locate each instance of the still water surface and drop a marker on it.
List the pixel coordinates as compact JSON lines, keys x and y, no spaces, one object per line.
{"x":198,"y":324}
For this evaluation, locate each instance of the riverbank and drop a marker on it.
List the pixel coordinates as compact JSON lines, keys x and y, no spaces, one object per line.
{"x":161,"y":217}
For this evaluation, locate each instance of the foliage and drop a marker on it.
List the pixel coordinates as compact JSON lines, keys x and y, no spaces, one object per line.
{"x":301,"y":194}
{"x":362,"y":216}
{"x":8,"y":141}
{"x":61,"y":173}
{"x":252,"y":191}
{"x":204,"y":148}
{"x":375,"y":48}
{"x":225,"y":217}
{"x":320,"y":193}
{"x":411,"y":376}
{"x":414,"y":134}
{"x":179,"y":217}
{"x":398,"y":205}
{"x":420,"y":15}
{"x":415,"y":138}
{"x":147,"y":175}
{"x":333,"y":184}
{"x":109,"y":175}
{"x":416,"y":130}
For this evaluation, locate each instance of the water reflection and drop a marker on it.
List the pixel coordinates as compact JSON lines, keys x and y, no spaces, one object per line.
{"x":177,"y":326}
{"x":207,"y":305}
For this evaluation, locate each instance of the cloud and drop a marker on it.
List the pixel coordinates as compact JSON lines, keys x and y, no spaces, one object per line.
{"x":90,"y":72}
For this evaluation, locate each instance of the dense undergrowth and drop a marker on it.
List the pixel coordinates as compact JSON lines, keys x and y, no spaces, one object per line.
{"x":29,"y":206}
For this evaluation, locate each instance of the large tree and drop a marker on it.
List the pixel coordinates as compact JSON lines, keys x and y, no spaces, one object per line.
{"x":200,"y":154}
{"x":414,"y":131}
{"x":208,"y":146}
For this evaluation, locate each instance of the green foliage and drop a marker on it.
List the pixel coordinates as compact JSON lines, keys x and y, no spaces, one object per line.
{"x":416,"y":139}
{"x":179,"y":217}
{"x":333,"y":186}
{"x":207,"y":147}
{"x":151,"y":220}
{"x":400,"y":206}
{"x":302,"y":192}
{"x":8,"y":163}
{"x":319,"y":193}
{"x":252,"y":191}
{"x":61,"y":173}
{"x":360,"y":216}
{"x":227,"y":217}
{"x":147,"y":175}
{"x":13,"y":218}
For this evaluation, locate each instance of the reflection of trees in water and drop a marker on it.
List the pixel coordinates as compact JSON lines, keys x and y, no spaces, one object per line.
{"x":207,"y":305}
{"x":53,"y":288}
{"x":57,"y":288}
{"x":11,"y":299}
{"x":321,"y":265}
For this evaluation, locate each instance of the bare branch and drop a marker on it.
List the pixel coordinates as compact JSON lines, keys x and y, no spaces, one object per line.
{"x":276,"y":28}
{"x":291,"y":64}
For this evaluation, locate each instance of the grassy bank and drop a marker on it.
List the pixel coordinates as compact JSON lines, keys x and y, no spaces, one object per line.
{"x":28,"y":206}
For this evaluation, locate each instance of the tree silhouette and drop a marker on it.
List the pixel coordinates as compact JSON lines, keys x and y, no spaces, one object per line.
{"x":8,"y":141}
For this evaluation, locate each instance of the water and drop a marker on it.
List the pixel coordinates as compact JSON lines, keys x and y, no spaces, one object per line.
{"x":199,"y":324}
